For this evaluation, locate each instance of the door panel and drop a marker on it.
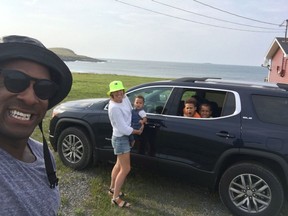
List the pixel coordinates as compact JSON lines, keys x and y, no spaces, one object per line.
{"x":197,"y":142}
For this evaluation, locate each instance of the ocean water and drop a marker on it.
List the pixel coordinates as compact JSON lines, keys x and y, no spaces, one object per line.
{"x":171,"y":69}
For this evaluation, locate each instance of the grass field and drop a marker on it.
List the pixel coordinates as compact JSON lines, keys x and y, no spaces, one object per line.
{"x":85,"y":192}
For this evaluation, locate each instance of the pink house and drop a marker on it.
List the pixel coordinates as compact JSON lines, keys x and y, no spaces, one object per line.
{"x":277,"y":61}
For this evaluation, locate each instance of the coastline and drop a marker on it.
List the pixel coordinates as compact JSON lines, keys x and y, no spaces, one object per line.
{"x":170,"y":69}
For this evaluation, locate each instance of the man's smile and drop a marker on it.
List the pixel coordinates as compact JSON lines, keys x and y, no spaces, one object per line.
{"x":19,"y":115}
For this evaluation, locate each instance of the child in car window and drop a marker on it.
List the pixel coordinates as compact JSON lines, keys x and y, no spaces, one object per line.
{"x":205,"y":110}
{"x":139,"y":117}
{"x":190,"y":108}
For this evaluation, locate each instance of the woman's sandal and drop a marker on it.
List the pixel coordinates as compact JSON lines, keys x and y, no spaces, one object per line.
{"x":120,"y":203}
{"x":111,"y":192}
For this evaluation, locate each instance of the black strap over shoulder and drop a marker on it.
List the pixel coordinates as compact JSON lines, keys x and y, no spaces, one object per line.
{"x":51,"y":174}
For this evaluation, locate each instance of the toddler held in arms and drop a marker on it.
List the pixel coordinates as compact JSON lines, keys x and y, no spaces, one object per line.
{"x":139,"y":117}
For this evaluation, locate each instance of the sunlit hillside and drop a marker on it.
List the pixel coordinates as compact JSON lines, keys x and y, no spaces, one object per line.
{"x":69,"y":55}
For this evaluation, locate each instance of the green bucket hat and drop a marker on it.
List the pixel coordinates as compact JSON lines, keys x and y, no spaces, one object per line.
{"x":115,"y":86}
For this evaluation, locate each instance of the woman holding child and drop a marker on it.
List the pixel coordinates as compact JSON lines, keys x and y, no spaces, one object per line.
{"x":120,"y":115}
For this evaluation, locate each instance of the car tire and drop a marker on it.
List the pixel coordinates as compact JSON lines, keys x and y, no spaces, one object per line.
{"x":74,"y":148}
{"x":251,"y":189}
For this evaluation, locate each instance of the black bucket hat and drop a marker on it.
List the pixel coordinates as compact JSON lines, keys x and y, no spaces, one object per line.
{"x":22,"y":47}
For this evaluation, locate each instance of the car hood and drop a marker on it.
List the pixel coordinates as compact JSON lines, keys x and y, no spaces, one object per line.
{"x":80,"y":104}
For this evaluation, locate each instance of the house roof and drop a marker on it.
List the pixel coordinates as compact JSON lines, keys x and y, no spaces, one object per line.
{"x":278,"y":42}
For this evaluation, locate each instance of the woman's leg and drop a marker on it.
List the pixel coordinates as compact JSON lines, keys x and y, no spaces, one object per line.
{"x":122,"y":170}
{"x":114,"y":173}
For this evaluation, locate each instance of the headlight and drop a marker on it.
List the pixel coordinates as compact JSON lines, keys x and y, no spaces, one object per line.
{"x":57,"y":110}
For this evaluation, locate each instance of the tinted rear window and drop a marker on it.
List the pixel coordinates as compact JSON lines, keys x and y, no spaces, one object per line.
{"x":271,"y":109}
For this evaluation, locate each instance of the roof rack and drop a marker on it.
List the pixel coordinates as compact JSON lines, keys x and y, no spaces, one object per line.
{"x":194,"y":79}
{"x":247,"y":83}
{"x":283,"y":86}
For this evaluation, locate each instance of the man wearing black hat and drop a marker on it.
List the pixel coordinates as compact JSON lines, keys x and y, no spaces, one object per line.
{"x":32,"y":80}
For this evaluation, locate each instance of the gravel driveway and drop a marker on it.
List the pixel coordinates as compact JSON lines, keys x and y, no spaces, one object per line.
{"x":75,"y":188}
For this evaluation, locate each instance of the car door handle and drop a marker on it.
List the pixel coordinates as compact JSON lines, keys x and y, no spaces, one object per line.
{"x":155,"y":125}
{"x":225,"y":135}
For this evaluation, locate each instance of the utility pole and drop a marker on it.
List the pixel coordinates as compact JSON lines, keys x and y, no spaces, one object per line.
{"x":286,"y":30}
{"x":286,"y":40}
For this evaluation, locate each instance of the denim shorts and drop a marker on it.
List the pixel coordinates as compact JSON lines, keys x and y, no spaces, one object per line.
{"x":121,"y":145}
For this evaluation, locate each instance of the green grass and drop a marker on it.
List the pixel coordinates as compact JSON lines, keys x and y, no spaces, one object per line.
{"x":96,"y":85}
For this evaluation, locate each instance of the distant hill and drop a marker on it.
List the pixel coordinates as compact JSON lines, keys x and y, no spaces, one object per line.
{"x":69,"y":55}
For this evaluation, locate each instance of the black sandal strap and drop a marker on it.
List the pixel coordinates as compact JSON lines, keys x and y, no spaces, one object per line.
{"x":124,"y":204}
{"x":111,"y":191}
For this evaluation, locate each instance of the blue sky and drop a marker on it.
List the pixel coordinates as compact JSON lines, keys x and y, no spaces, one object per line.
{"x":153,"y":31}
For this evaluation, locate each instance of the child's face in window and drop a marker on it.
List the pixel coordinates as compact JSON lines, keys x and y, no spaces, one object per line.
{"x":189,"y":110}
{"x":138,"y":103}
{"x":205,"y":111}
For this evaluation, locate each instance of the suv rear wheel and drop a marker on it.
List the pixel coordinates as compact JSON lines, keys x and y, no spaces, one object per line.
{"x":74,"y":148}
{"x":251,"y":189}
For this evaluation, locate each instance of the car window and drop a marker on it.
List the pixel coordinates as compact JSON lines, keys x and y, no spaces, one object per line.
{"x":155,"y":98}
{"x":222,"y":102}
{"x":271,"y":109}
{"x":229,"y":105}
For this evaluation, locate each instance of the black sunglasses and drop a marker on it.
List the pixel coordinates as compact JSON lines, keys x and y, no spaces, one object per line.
{"x":16,"y":81}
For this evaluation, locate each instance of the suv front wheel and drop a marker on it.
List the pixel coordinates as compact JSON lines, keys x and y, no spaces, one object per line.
{"x":251,"y":189}
{"x":74,"y":148}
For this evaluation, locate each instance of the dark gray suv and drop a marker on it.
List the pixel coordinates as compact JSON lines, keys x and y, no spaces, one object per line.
{"x":242,"y":151}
